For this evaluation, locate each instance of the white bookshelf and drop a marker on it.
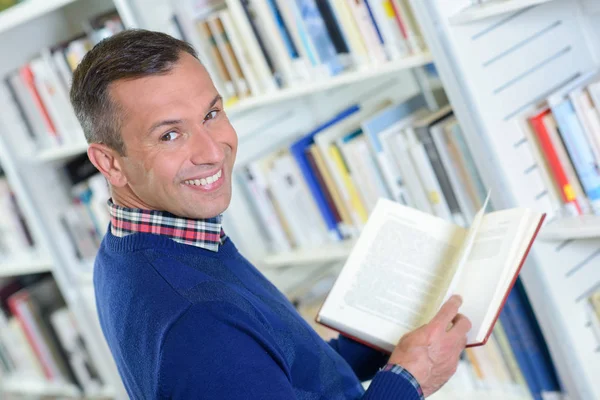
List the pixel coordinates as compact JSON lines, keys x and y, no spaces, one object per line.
{"x":23,"y":386}
{"x":27,"y":11}
{"x":25,"y":264}
{"x":346,"y":78}
{"x":580,"y":227}
{"x":333,"y":252}
{"x":62,"y":153}
{"x":490,"y":8}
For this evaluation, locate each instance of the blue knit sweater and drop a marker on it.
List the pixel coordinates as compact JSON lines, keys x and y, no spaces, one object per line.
{"x":183,"y":322}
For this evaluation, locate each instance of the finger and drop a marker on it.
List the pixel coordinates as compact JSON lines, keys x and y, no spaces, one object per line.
{"x":447,"y":312}
{"x":461,"y":325}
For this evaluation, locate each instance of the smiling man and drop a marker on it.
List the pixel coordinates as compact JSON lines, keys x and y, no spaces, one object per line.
{"x":185,"y":315}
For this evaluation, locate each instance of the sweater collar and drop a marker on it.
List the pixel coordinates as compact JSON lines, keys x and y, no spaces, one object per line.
{"x":205,"y":233}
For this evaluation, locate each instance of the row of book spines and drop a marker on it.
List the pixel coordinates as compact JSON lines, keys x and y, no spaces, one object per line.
{"x":565,"y":138}
{"x":40,"y":91}
{"x":15,"y":234}
{"x":254,"y":47}
{"x":344,"y":204}
{"x":44,"y":345}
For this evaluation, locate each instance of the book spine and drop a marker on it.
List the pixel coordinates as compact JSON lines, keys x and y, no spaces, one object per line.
{"x":317,"y":31}
{"x":250,"y":42}
{"x":367,"y":30}
{"x":380,"y":26}
{"x":359,"y":211}
{"x":440,"y":175}
{"x":532,"y":340}
{"x":413,"y":35}
{"x":516,"y":344}
{"x":351,"y":31}
{"x":580,"y":152}
{"x":228,"y":56}
{"x":566,"y":190}
{"x":257,"y":186}
{"x":333,"y":28}
{"x":245,"y":63}
{"x":28,"y":78}
{"x":221,"y":69}
{"x":345,"y":226}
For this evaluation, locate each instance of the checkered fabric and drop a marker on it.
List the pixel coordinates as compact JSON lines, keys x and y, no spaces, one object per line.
{"x":397,"y":369}
{"x":205,"y":233}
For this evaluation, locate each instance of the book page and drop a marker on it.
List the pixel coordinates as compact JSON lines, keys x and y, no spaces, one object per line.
{"x":489,"y":265}
{"x":398,"y":267}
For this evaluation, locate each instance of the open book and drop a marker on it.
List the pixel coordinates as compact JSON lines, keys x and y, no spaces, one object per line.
{"x":406,"y":263}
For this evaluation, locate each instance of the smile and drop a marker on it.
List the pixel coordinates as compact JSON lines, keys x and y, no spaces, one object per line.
{"x":205,"y":182}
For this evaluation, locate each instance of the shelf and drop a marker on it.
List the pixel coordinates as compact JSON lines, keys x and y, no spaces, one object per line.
{"x":336,"y":81}
{"x":23,"y":265}
{"x":28,"y":10}
{"x":62,"y":153}
{"x":30,"y":387}
{"x":491,"y":8}
{"x":323,"y":254}
{"x":582,"y":227}
{"x":65,"y":152}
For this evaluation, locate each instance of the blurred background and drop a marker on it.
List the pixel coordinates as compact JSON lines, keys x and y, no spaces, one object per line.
{"x":337,"y":103}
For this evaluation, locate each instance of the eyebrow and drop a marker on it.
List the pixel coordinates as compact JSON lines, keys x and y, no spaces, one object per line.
{"x":169,"y":122}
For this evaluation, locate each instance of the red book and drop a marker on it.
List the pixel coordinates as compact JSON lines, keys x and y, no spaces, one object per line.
{"x":406,"y":263}
{"x":558,"y":171}
{"x":29,"y":79}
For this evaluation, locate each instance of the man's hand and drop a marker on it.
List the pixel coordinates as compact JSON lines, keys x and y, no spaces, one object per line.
{"x":431,"y":352}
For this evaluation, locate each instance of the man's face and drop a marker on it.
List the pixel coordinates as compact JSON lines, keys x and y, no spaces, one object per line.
{"x":179,"y":143}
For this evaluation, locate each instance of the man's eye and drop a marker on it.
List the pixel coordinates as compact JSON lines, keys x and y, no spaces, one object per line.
{"x":211,"y":115}
{"x":169,"y":136}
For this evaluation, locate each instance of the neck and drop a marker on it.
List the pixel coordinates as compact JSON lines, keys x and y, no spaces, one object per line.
{"x":128,"y":199}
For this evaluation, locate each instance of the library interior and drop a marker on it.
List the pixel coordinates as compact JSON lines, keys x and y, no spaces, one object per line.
{"x":385,"y":155}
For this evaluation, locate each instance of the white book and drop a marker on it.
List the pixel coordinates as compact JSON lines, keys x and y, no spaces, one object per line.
{"x":218,"y":32}
{"x":250,"y":42}
{"x":28,"y":365}
{"x":427,"y":177}
{"x":359,"y":172}
{"x":297,"y":203}
{"x":400,"y":152}
{"x":414,"y":36}
{"x":11,"y":232}
{"x":459,"y":187}
{"x":280,"y":55}
{"x":351,"y":32}
{"x":590,"y":120}
{"x":417,"y":261}
{"x":375,"y":49}
{"x":394,"y":43}
{"x":259,"y":189}
{"x":56,"y":100}
{"x":60,"y":62}
{"x":241,"y":52}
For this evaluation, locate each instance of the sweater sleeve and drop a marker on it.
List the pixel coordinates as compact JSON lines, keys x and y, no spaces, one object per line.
{"x":363,"y":360}
{"x":216,"y":352}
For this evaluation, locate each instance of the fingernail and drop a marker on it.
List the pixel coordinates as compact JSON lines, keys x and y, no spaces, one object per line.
{"x":458,"y":297}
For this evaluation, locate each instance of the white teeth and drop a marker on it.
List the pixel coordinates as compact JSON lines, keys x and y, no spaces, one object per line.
{"x":204,"y":181}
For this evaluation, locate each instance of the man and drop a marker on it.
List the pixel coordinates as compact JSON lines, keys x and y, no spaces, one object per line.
{"x":184,"y":314}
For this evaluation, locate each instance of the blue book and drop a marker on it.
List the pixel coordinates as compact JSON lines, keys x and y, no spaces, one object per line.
{"x":283,"y":30}
{"x":579,"y":150}
{"x":298,"y":151}
{"x":533,"y":341}
{"x":319,"y":36}
{"x":517,"y":347}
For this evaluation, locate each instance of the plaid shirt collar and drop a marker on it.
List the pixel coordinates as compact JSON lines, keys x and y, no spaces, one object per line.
{"x":205,"y":233}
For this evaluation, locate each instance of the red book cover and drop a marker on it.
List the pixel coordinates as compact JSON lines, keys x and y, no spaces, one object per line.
{"x":29,"y":79}
{"x":566,"y":190}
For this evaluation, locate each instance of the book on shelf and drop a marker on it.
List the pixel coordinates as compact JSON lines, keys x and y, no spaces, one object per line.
{"x":38,"y":336}
{"x":406,"y":263}
{"x":15,"y":234}
{"x":39,"y":88}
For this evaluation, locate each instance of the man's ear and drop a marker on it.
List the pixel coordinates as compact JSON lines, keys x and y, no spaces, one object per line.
{"x":108,"y":162}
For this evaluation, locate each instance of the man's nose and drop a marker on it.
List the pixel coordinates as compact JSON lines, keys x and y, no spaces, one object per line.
{"x":205,"y":148}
